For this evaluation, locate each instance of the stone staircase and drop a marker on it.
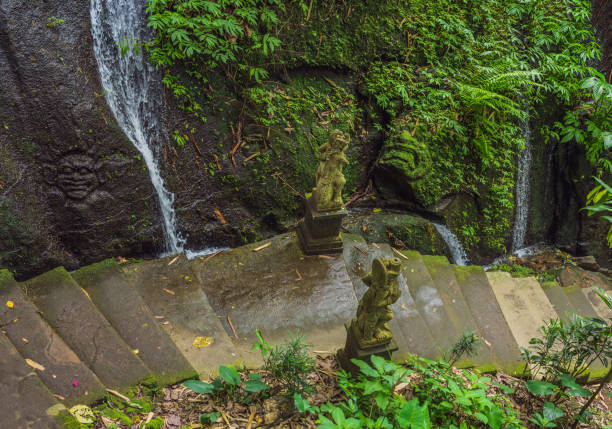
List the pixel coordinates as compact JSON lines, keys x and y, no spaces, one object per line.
{"x":67,"y":337}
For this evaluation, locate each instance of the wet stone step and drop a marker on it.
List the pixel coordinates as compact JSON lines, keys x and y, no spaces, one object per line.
{"x":70,"y":312}
{"x":522,"y":323}
{"x":171,"y":291}
{"x":64,"y":374}
{"x":537,"y":301}
{"x":579,"y":301}
{"x":597,"y":303}
{"x":124,"y":308}
{"x":494,"y":328}
{"x":431,"y":306}
{"x":409,"y":329}
{"x":443,"y":275}
{"x":274,"y":287}
{"x":559,"y":300}
{"x":26,"y":403}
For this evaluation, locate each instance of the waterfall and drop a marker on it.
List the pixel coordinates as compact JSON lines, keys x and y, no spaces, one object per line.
{"x":522,"y":191}
{"x":134,"y":93}
{"x":458,"y":254}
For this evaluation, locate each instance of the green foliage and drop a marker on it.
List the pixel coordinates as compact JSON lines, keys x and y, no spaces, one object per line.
{"x":208,"y":419}
{"x":439,"y":398}
{"x":569,"y":348}
{"x":288,"y":363}
{"x":550,"y":413}
{"x":230,"y":385}
{"x":599,"y":200}
{"x":155,"y":423}
{"x":53,"y":22}
{"x":466,"y":345}
{"x":516,"y":270}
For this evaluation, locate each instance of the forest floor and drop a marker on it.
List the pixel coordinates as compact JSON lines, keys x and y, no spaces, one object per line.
{"x":177,"y":407}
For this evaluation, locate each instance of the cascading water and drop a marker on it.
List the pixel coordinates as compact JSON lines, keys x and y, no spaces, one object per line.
{"x":458,"y":254}
{"x":133,"y":92}
{"x":522,"y":191}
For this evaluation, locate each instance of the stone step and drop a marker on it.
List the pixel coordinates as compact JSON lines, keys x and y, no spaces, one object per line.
{"x":123,"y":307}
{"x":494,"y":328}
{"x":35,"y":340}
{"x":559,"y":300}
{"x":537,"y":302}
{"x":431,"y":306}
{"x":26,"y":403}
{"x":601,"y":309}
{"x":70,"y":312}
{"x":170,"y":289}
{"x":408,"y":327}
{"x":516,"y":311}
{"x":579,"y":301}
{"x":443,"y":275}
{"x":274,"y":287}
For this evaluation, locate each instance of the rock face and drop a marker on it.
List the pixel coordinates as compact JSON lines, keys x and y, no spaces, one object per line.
{"x":72,"y":188}
{"x":602,"y":20}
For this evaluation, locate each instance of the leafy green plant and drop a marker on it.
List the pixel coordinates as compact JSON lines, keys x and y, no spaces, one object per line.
{"x":466,"y":345}
{"x":230,"y":383}
{"x":53,"y":22}
{"x":546,"y":419}
{"x":437,"y":397}
{"x":568,"y":348}
{"x":599,"y":200}
{"x":289,"y":363}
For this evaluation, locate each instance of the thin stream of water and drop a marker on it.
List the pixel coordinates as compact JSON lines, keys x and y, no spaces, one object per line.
{"x":458,"y":253}
{"x":134,"y":93}
{"x":522,"y":191}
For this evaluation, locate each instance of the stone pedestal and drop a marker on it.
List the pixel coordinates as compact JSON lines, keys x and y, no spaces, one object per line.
{"x":319,"y":232}
{"x":352,"y":350}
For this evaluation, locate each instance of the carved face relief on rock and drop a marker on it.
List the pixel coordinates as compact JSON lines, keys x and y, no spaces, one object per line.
{"x":76,"y":176}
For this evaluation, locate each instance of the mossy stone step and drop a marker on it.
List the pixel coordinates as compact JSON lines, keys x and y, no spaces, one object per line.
{"x":26,"y":403}
{"x":123,"y":307}
{"x":485,"y":309}
{"x":579,"y":301}
{"x":537,"y":302}
{"x":443,"y":275}
{"x":409,"y":329}
{"x":430,"y":306}
{"x":599,"y":306}
{"x":522,"y":323}
{"x":35,"y":340}
{"x":274,"y":287}
{"x":170,"y":290}
{"x":559,"y":300}
{"x":70,"y":312}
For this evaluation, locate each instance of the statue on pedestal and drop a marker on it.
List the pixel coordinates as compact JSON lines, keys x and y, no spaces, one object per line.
{"x":327,"y":194}
{"x":319,"y":232}
{"x":371,"y":325}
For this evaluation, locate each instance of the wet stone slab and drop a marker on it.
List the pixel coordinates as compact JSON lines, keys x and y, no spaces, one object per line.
{"x":430,"y":305}
{"x":488,"y":315}
{"x":26,"y":403}
{"x":70,"y":312}
{"x":409,"y":329}
{"x":35,"y":340}
{"x":123,"y":307}
{"x":443,"y":275}
{"x":276,"y":288}
{"x":559,"y":300}
{"x":180,"y":307}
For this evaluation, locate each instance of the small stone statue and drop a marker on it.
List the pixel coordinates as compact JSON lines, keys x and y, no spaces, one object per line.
{"x":327,"y":195}
{"x":371,"y":327}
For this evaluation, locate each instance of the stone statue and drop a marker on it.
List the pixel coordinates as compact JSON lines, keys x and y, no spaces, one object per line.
{"x":327,"y":195}
{"x":76,"y":175}
{"x":371,"y":327}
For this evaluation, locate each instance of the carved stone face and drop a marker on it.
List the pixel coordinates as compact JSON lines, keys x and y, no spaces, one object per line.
{"x":76,"y":176}
{"x":339,"y":140}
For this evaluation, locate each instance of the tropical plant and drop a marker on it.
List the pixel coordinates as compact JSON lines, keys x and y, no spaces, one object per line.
{"x":288,"y":363}
{"x":230,"y":383}
{"x":599,"y":201}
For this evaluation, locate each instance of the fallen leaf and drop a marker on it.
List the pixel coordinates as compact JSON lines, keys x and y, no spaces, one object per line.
{"x":299,"y":275}
{"x":325,"y":257}
{"x":35,"y":365}
{"x":400,"y":253}
{"x":165,"y":323}
{"x":171,"y":292}
{"x":83,"y":414}
{"x":376,"y":210}
{"x":25,"y":340}
{"x":174,"y":260}
{"x":135,"y":351}
{"x":219,"y":215}
{"x":159,"y":317}
{"x":201,"y":342}
{"x":263,"y":246}
{"x":376,"y":245}
{"x":10,"y":304}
